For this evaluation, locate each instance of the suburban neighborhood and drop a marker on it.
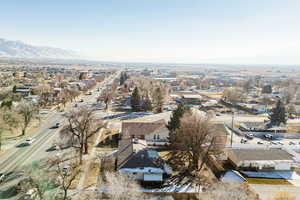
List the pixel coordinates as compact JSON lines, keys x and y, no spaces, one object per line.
{"x":150,"y":100}
{"x":171,"y":133}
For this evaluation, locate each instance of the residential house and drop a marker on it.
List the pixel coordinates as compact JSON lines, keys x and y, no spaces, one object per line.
{"x":154,"y":133}
{"x":140,"y":164}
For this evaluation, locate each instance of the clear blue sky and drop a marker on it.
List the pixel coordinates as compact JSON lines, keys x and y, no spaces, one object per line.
{"x":221,"y":31}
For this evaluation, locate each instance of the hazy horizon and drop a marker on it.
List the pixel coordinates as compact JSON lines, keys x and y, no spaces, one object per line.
{"x":194,"y":31}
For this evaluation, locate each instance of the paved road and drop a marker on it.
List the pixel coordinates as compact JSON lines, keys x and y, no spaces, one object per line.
{"x":15,"y":158}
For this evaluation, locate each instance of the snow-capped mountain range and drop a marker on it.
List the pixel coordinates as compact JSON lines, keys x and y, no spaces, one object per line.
{"x":18,"y":49}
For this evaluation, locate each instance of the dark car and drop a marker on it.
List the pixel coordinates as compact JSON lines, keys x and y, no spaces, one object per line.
{"x":243,"y":141}
{"x":55,"y":126}
{"x":292,"y":143}
{"x":24,"y":144}
{"x":55,"y":147}
{"x":249,"y":136}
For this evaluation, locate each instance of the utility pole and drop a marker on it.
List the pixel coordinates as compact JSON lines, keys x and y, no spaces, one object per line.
{"x":232,"y":122}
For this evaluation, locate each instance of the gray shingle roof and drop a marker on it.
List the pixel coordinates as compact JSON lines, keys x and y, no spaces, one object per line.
{"x":142,"y":159}
{"x":240,"y":155}
{"x":140,"y":128}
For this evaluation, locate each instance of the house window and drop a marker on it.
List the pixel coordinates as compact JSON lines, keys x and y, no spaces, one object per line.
{"x":134,"y":173}
{"x":154,"y":137}
{"x":158,"y":137}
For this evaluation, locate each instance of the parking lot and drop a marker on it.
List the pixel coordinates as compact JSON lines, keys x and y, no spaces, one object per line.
{"x":260,"y":140}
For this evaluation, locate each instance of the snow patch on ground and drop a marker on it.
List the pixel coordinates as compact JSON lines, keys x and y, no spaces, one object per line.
{"x":232,"y":176}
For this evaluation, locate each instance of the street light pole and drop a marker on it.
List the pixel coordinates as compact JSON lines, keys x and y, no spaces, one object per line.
{"x":231,"y":137}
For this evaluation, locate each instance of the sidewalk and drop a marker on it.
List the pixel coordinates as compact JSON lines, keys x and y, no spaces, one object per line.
{"x":89,"y":158}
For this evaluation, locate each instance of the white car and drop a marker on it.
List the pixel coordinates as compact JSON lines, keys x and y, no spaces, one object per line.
{"x":66,"y":170}
{"x":2,"y":176}
{"x":249,"y":136}
{"x":31,"y":194}
{"x":268,"y":136}
{"x":44,"y":111}
{"x":29,"y":140}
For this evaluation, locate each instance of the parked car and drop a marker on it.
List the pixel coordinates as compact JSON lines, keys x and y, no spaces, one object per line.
{"x":249,"y":136}
{"x":243,"y":141}
{"x":66,"y":170}
{"x":274,"y":143}
{"x":259,"y":142}
{"x":268,"y":136}
{"x":292,"y":143}
{"x":280,"y":143}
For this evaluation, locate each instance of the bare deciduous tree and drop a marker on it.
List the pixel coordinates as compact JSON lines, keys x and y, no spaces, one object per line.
{"x":37,"y":181}
{"x":106,"y":97}
{"x":27,"y":112}
{"x":120,"y":187}
{"x":65,"y":172}
{"x":247,"y":85}
{"x":158,"y":99}
{"x":232,"y":95}
{"x":194,"y":141}
{"x":9,"y":120}
{"x":81,"y":126}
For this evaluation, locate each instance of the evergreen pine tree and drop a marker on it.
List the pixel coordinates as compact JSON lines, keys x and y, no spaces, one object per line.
{"x":147,"y":104}
{"x":158,"y":100}
{"x":135,"y":100}
{"x":14,"y":89}
{"x":278,"y":114}
{"x":174,"y":122}
{"x":122,"y":78}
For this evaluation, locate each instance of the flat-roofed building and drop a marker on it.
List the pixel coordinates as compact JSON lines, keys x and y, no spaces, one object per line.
{"x":194,"y":99}
{"x":260,"y":159}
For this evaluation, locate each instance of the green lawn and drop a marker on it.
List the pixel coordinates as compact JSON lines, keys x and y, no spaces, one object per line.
{"x":270,"y":181}
{"x":8,"y":193}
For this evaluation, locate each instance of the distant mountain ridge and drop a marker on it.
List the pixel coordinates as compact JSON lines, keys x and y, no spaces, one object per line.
{"x":18,"y":49}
